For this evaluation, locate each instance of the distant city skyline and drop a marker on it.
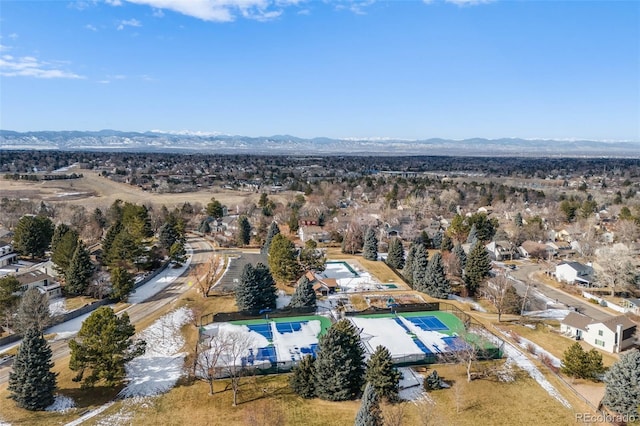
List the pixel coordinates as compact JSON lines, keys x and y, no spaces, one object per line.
{"x":454,"y":69}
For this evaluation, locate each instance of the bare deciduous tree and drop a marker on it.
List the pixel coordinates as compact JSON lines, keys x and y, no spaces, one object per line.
{"x":468,"y":352}
{"x":394,"y":414}
{"x":207,"y":274}
{"x":499,"y":292}
{"x":209,"y":351}
{"x":616,"y":271}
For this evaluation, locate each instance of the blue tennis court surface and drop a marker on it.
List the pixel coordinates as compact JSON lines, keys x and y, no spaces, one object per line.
{"x":263,"y":354}
{"x":264,"y":329}
{"x":289,"y":327}
{"x":427,"y":323}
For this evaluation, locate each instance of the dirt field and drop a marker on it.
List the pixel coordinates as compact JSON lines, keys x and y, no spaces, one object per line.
{"x":93,"y":191}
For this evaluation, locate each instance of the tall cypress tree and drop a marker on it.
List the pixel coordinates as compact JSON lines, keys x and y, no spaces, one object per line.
{"x":79,"y":272}
{"x":420,"y":264}
{"x":302,"y":381}
{"x":339,"y":363}
{"x":369,"y":413}
{"x":244,"y":231}
{"x":382,"y":375}
{"x":32,"y":383}
{"x":458,"y":251}
{"x":437,"y":284}
{"x":477,"y":268}
{"x":395,"y":258}
{"x":407,"y":271}
{"x":304,"y":295}
{"x":622,"y":394}
{"x":447,"y":244}
{"x":370,"y":246}
{"x":272,"y":231}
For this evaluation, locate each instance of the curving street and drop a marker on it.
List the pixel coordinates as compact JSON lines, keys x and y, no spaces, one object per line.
{"x":201,"y":250}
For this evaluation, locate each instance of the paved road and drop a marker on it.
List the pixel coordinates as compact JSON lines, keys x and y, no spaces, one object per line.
{"x":140,"y":311}
{"x":237,"y":262}
{"x":525,"y":273}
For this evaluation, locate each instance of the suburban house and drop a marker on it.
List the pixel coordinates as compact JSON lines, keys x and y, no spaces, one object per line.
{"x":7,"y":255}
{"x":502,"y":250}
{"x":574,"y":273}
{"x":533,"y":249}
{"x":322,"y":286}
{"x":613,"y":335}
{"x":315,"y":233}
{"x":40,"y":280}
{"x":631,"y":305}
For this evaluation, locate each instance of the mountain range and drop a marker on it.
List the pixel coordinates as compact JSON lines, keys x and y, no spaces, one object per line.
{"x":198,"y":142}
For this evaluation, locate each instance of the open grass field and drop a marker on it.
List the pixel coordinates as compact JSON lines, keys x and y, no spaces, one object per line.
{"x":93,"y":191}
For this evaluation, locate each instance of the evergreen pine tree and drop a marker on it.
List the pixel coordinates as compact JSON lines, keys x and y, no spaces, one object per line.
{"x":370,"y":246}
{"x":395,"y":258}
{"x":103,"y":346}
{"x":256,"y":290}
{"x":458,"y":251}
{"x":518,"y":220}
{"x":407,"y":271}
{"x":473,"y":235}
{"x":432,"y":381}
{"x":312,"y":259}
{"x":339,"y":363}
{"x":369,"y":413}
{"x":167,"y":235}
{"x":283,"y":261}
{"x":302,"y":381}
{"x":122,"y":282}
{"x":382,"y":375}
{"x":32,"y":383}
{"x":304,"y":295}
{"x":273,"y":230}
{"x":177,"y":253}
{"x":622,"y":393}
{"x":436,"y":241}
{"x":107,"y":241}
{"x":79,"y":272}
{"x":244,"y":231}
{"x":62,"y":250}
{"x":447,"y":244}
{"x":437,"y":284}
{"x":574,"y":361}
{"x":420,"y":264}
{"x":477,"y":268}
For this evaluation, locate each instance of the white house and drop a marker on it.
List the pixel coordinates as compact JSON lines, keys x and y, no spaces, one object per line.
{"x":574,"y":273}
{"x":40,"y":280}
{"x":631,"y":305}
{"x":502,"y":250}
{"x":7,"y":255}
{"x":613,"y":335}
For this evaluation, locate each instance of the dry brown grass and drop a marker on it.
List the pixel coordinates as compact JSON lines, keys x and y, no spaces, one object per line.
{"x":554,"y":343}
{"x":358,"y":302}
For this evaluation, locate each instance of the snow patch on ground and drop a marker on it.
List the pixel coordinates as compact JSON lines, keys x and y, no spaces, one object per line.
{"x":90,"y":414}
{"x":57,"y":306}
{"x":558,"y":314}
{"x":125,"y":415}
{"x":475,"y":305}
{"x":288,"y":344}
{"x":62,"y":404}
{"x":525,"y":344}
{"x":160,"y":367}
{"x":385,"y":332}
{"x":410,"y":384}
{"x":283,"y":300}
{"x":160,"y":281}
{"x":517,"y":357}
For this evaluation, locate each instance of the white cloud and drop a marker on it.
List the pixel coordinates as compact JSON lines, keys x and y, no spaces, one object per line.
{"x":133,"y":22}
{"x":222,"y":10}
{"x":28,"y":66}
{"x":4,"y":47}
{"x":113,"y":2}
{"x":91,"y":27}
{"x":13,"y":36}
{"x":157,"y":13}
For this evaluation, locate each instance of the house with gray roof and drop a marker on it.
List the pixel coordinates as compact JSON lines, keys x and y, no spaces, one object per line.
{"x":613,"y":335}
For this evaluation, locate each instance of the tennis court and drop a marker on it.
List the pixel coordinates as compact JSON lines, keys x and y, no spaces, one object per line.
{"x":411,"y":335}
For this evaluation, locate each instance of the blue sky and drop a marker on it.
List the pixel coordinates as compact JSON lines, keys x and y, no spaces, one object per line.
{"x":406,"y":69}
